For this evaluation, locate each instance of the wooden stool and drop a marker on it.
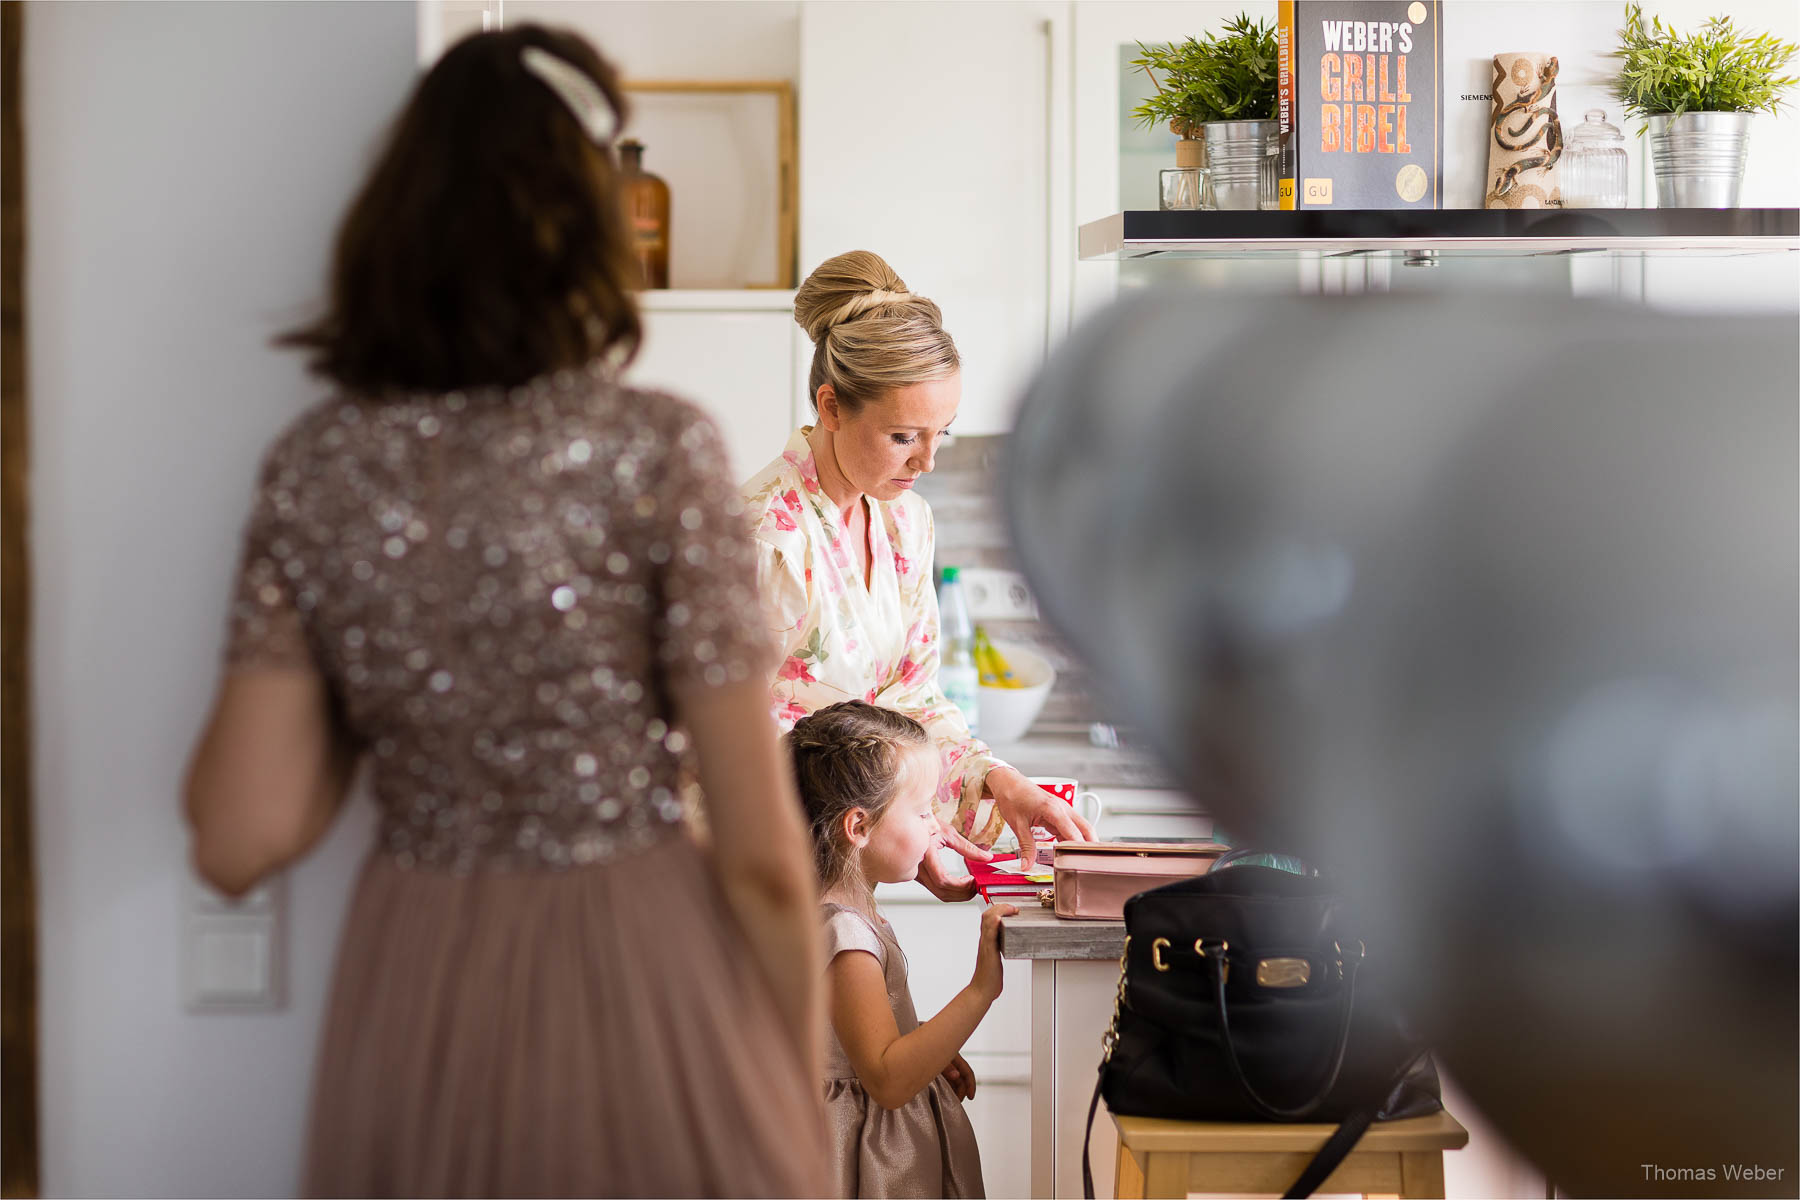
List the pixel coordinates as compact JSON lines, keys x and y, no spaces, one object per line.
{"x":1172,"y":1158}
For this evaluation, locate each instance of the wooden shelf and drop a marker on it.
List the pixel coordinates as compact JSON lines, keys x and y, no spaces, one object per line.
{"x":716,"y":300}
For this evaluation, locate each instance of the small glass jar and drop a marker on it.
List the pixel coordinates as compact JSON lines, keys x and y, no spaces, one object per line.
{"x":1594,"y":167}
{"x":1268,"y":196}
{"x":1186,"y":189}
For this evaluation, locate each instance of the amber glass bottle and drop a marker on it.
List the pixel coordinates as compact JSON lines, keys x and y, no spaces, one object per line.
{"x":647,"y":214}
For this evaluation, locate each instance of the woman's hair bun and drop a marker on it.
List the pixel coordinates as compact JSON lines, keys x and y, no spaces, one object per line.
{"x":855,"y":284}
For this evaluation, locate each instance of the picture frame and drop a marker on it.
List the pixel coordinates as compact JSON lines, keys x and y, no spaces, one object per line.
{"x":728,"y":149}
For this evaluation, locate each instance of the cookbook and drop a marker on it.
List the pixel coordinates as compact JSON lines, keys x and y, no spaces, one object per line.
{"x":1360,"y":103}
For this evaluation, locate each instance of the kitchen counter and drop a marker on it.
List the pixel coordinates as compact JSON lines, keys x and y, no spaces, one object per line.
{"x":1038,"y":933}
{"x":1074,"y":979}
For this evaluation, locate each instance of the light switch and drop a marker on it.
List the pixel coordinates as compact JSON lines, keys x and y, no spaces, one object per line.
{"x":232,"y":949}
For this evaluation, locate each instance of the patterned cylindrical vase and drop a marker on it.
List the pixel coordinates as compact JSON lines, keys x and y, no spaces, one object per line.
{"x":1524,"y":136}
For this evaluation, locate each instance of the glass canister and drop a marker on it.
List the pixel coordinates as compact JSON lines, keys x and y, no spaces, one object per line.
{"x":1594,"y":166}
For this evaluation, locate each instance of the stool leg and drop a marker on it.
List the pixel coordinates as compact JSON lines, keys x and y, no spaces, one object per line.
{"x":1422,"y":1174}
{"x":1128,"y":1176}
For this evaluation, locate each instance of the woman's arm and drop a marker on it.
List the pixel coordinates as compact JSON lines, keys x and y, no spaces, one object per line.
{"x":267,"y":776}
{"x":893,"y":1069}
{"x":963,"y":805}
{"x":760,"y":844}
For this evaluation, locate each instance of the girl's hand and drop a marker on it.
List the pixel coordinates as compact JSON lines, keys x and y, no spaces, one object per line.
{"x":989,"y":977}
{"x":961,"y":1078}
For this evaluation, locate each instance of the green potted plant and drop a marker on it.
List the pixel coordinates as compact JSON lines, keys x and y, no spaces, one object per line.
{"x":1217,"y":95}
{"x":1696,"y":93}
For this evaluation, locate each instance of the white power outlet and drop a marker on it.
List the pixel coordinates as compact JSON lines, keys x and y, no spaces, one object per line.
{"x":996,"y":595}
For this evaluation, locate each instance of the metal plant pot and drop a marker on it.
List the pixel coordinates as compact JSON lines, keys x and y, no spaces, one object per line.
{"x":1234,"y":154}
{"x":1699,"y":158}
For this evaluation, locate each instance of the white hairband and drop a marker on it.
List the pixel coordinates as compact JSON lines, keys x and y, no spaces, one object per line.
{"x":576,"y":90}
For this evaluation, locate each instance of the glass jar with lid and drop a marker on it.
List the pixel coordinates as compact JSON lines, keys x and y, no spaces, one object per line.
{"x":1594,"y":167}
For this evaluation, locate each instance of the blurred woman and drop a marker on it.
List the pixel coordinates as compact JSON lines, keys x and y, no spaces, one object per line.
{"x":521,"y":592}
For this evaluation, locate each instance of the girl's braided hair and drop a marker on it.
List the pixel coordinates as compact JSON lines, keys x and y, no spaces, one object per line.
{"x":846,"y":757}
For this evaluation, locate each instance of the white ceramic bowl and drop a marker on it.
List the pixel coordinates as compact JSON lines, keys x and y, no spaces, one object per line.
{"x":1007,"y":713}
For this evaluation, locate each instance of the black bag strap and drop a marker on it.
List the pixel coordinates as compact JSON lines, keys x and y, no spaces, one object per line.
{"x":1087,"y":1139}
{"x":1343,"y":1139}
{"x":1214,"y":961}
{"x":1336,"y":1149}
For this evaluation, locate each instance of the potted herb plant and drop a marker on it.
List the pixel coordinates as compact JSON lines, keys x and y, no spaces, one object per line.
{"x":1696,"y":93}
{"x":1217,"y":95}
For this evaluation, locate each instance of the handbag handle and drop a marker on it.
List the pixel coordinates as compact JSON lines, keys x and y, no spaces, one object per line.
{"x":1215,"y":961}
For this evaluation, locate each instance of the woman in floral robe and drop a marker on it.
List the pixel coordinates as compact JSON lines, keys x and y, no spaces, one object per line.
{"x":844,"y":546}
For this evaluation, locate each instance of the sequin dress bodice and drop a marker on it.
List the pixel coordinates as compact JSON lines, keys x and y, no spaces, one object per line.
{"x":502,"y":589}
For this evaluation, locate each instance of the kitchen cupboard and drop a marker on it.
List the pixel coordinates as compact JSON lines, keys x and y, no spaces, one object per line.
{"x":925,"y":136}
{"x":735,"y":355}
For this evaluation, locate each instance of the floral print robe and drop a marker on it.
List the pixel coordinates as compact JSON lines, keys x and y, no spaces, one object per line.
{"x":842,"y":640}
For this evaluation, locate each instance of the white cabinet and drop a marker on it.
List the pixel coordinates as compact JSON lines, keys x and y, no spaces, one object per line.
{"x":925,"y":134}
{"x":733,"y":354}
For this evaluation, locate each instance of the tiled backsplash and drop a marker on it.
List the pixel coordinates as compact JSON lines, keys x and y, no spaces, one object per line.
{"x":972,"y":532}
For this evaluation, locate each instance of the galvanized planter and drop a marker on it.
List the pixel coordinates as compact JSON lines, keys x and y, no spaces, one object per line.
{"x":1699,"y":158}
{"x":1234,"y":154}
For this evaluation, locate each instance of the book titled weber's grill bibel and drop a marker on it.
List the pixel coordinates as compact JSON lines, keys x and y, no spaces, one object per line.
{"x":1361,"y":103}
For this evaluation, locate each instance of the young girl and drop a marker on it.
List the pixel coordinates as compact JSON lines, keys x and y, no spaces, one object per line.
{"x":893,"y":1087}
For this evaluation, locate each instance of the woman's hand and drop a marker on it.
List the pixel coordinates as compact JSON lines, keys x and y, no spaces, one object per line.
{"x":961,"y":1078}
{"x":1023,"y":804}
{"x":950,"y":888}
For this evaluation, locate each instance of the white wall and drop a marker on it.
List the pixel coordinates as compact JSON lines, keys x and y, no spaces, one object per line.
{"x":186,"y":164}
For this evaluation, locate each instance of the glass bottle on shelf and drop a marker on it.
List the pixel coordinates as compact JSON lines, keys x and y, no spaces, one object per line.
{"x":1269,"y":177}
{"x":646,"y":199}
{"x":1594,"y":166}
{"x":1185,"y":189}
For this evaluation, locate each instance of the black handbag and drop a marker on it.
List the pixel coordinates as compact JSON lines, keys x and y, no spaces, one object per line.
{"x":1248,"y":994}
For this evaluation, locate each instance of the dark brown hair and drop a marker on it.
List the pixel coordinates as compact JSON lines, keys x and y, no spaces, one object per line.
{"x":847,"y":756}
{"x":488,"y":245}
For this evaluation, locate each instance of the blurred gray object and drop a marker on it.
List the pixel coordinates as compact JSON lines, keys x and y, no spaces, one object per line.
{"x":1494,"y":610}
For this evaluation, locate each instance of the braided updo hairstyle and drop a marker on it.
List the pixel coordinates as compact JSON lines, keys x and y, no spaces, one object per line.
{"x":870,"y":334}
{"x":847,"y":756}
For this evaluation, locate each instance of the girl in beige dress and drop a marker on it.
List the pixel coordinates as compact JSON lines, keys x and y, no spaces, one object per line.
{"x":894,"y":1087}
{"x":521,"y":593}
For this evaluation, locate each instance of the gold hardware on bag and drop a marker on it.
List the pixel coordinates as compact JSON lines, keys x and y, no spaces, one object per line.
{"x":1111,"y":1037}
{"x":1283,"y":972}
{"x":1156,"y":949}
{"x":1224,"y":964}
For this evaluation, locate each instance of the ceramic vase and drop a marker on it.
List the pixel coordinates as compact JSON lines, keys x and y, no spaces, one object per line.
{"x":1524,"y":136}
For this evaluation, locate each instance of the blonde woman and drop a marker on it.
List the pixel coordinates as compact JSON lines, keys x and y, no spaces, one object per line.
{"x":844,"y":546}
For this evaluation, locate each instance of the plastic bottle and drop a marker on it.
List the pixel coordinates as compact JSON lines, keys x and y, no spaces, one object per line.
{"x":957,"y":673}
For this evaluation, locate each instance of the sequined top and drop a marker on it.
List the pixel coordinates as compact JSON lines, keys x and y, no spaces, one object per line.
{"x":500,"y":588}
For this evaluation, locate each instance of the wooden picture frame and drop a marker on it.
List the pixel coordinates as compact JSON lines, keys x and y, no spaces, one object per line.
{"x":735,"y":209}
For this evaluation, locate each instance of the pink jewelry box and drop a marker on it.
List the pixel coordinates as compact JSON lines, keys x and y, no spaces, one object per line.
{"x":1094,"y":879}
